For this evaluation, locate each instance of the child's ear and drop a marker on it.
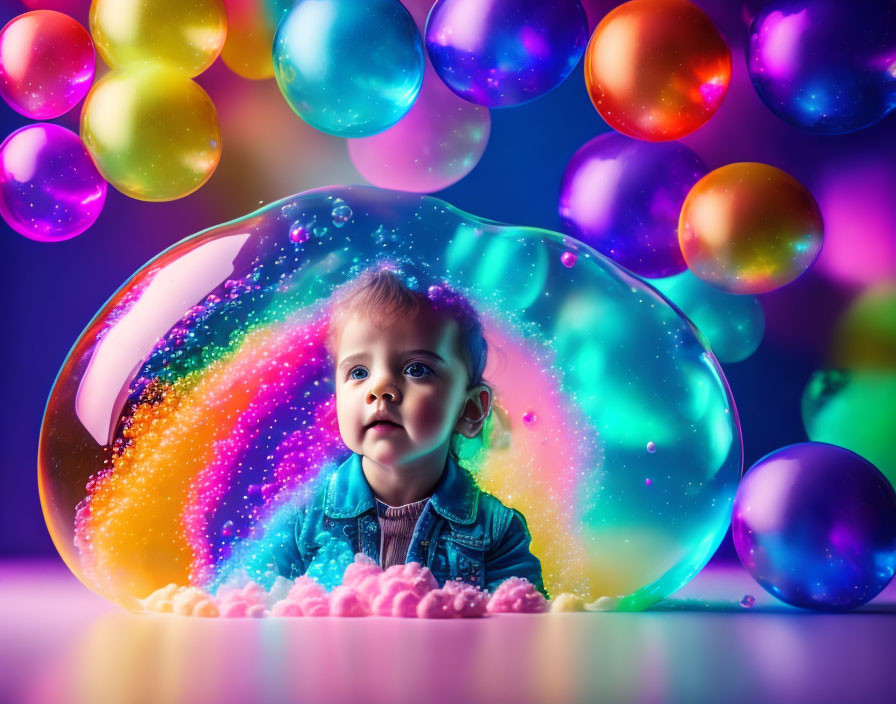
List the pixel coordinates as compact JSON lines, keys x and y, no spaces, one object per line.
{"x":477,"y":406}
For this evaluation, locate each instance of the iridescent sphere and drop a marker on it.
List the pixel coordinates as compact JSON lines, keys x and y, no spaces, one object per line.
{"x":152,"y":132}
{"x":338,"y":74}
{"x":749,"y":228}
{"x":826,"y":66}
{"x":657,"y":69}
{"x":187,"y":36}
{"x":623,"y":197}
{"x":49,"y":188}
{"x":202,"y":393}
{"x":46,"y":64}
{"x":815,"y":525}
{"x":499,"y":53}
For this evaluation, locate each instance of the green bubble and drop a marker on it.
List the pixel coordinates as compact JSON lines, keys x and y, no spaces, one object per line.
{"x":855,"y":409}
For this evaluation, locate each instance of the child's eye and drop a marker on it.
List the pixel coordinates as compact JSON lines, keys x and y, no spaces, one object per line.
{"x":418,"y":370}
{"x":362,"y":370}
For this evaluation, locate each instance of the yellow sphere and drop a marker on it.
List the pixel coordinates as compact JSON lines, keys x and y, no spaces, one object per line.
{"x":152,"y":132}
{"x":187,"y":35}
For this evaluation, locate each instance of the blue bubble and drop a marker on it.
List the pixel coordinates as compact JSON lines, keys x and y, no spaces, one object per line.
{"x":351,"y":68}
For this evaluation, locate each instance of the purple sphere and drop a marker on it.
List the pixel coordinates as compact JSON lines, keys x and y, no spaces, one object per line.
{"x":50,"y":189}
{"x":499,"y":53}
{"x":815,"y":525}
{"x":826,"y":66}
{"x":623,"y":197}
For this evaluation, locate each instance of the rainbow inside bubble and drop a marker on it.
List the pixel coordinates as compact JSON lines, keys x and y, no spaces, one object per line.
{"x":196,"y":410}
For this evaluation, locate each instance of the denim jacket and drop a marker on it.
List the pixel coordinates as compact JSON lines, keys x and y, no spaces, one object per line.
{"x":463,"y":532}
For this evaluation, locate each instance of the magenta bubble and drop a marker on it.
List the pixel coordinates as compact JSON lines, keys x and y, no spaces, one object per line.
{"x":46,"y":64}
{"x":623,"y":197}
{"x":435,"y":145}
{"x":50,"y":189}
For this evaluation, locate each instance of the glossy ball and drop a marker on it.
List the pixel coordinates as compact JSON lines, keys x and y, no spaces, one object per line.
{"x":341,"y":77}
{"x":854,"y":408}
{"x":623,"y":197}
{"x":825,"y":66}
{"x":499,"y":53}
{"x":749,"y":228}
{"x":815,"y":525}
{"x":46,"y":64}
{"x":204,"y":384}
{"x":152,"y":132}
{"x":733,"y":325}
{"x":49,"y":188}
{"x":435,"y":145}
{"x":657,"y":69}
{"x":187,"y":36}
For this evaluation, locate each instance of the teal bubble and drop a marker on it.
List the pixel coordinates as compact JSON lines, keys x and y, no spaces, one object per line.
{"x":732,"y":324}
{"x":351,"y":68}
{"x":855,"y":409}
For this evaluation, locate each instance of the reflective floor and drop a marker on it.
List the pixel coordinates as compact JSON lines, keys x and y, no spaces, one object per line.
{"x":60,"y":643}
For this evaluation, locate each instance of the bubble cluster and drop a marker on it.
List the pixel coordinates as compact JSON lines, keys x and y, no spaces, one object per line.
{"x":196,"y":412}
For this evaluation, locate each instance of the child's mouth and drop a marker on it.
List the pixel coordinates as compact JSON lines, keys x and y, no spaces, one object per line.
{"x":383,"y":426}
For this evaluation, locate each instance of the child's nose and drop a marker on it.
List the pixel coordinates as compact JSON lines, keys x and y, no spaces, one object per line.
{"x":383,"y":387}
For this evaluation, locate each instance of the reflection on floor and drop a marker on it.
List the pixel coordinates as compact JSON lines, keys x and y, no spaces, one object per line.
{"x":60,"y":643}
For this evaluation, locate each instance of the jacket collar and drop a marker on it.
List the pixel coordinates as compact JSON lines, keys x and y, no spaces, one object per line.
{"x":349,"y":495}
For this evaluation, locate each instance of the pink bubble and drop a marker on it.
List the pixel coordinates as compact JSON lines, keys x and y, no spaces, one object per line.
{"x":50,"y":189}
{"x":568,"y":259}
{"x":46,"y":64}
{"x":435,"y":145}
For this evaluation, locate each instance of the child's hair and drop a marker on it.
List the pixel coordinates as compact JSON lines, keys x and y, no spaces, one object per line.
{"x":383,"y":295}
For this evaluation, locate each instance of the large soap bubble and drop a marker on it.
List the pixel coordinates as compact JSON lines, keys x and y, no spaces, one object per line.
{"x":197,"y":408}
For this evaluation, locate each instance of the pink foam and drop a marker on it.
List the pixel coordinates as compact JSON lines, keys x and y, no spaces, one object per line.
{"x":519,"y":596}
{"x":248,"y":602}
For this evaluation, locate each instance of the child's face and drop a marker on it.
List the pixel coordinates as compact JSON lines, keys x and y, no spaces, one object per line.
{"x":413,"y":372}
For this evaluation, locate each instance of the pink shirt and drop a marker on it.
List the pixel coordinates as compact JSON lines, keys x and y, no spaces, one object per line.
{"x":396,"y":530}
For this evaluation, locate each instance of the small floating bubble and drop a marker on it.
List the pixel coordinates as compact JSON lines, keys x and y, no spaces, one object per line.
{"x":529,"y":418}
{"x":651,"y":447}
{"x":341,"y":213}
{"x":568,"y":259}
{"x":298,"y":233}
{"x":648,"y":481}
{"x":748,"y":601}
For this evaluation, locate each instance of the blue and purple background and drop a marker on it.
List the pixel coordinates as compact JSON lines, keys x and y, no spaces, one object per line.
{"x":51,"y":291}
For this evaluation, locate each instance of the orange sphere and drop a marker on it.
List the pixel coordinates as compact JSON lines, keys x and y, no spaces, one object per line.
{"x":749,"y":228}
{"x":657,"y":69}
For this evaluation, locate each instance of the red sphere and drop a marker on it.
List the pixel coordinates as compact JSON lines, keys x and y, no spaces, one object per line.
{"x":657,"y":69}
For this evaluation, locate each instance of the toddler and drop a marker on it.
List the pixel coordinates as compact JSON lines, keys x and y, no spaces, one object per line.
{"x":408,"y":371}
